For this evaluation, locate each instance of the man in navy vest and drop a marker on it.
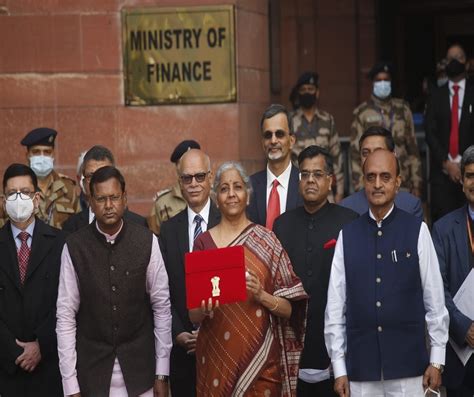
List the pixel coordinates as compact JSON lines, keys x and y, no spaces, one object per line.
{"x":452,"y":237}
{"x":385,"y":285}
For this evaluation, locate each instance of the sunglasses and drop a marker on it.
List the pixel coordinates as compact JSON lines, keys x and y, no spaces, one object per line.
{"x":279,"y":134}
{"x":187,"y":178}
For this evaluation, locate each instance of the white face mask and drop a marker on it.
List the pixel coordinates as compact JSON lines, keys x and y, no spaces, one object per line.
{"x":41,"y":165}
{"x":382,"y":89}
{"x":20,"y":209}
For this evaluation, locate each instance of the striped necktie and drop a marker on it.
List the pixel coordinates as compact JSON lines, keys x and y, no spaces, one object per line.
{"x":197,"y":229}
{"x":23,"y":255}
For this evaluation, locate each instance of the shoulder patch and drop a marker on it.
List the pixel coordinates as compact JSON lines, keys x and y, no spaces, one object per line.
{"x":67,"y":178}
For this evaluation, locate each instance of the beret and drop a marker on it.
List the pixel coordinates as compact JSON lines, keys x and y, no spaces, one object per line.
{"x":182,"y":148}
{"x":308,"y":78}
{"x":380,"y":67}
{"x":40,"y":136}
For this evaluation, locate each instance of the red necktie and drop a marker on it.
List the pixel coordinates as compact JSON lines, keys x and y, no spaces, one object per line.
{"x":454,"y":134}
{"x":273,"y":209}
{"x":23,"y":255}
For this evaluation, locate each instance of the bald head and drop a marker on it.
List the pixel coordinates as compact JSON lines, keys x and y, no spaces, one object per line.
{"x":193,"y":156}
{"x":383,"y":156}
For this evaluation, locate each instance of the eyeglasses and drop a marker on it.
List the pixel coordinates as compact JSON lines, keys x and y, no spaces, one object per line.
{"x":318,"y":175}
{"x":103,"y":199}
{"x":279,"y":134}
{"x":188,"y":178}
{"x":24,"y":195}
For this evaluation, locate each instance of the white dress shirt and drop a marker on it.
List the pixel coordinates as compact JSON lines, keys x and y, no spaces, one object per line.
{"x":436,"y":317}
{"x":68,"y":304}
{"x":192,"y":225}
{"x":284,"y":181}
{"x":16,"y":232}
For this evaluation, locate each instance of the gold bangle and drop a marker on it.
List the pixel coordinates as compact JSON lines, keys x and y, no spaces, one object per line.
{"x":276,"y":305}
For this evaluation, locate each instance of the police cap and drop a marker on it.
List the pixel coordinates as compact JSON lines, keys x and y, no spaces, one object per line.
{"x":308,"y":78}
{"x":40,"y":136}
{"x":380,"y":67}
{"x":182,"y":148}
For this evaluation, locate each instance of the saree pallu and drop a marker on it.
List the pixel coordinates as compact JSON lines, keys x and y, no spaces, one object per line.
{"x":242,"y":349}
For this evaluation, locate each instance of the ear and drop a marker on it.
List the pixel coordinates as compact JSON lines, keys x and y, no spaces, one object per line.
{"x":317,"y":93}
{"x":125,"y":198}
{"x":36,"y":200}
{"x":398,"y":182}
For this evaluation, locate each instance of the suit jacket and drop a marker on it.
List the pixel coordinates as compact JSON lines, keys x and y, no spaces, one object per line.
{"x":451,"y":243}
{"x":257,"y":209}
{"x":406,"y":201}
{"x":174,"y":243}
{"x":81,"y":219}
{"x":28,"y":312}
{"x":438,"y":126}
{"x":307,"y":240}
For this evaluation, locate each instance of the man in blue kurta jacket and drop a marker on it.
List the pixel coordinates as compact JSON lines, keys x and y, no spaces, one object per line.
{"x":385,"y":285}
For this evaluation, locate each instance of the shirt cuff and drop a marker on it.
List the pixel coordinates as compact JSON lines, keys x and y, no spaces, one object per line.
{"x":162,"y":367}
{"x":339,"y":367}
{"x":71,"y":386}
{"x":437,"y":355}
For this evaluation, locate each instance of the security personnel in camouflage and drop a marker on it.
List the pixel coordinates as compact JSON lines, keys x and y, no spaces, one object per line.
{"x":395,"y":115}
{"x":169,"y":202}
{"x":313,"y":126}
{"x":58,"y":198}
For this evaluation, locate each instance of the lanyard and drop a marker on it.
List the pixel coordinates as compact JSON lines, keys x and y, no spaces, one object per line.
{"x":381,"y":112}
{"x":469,"y":233}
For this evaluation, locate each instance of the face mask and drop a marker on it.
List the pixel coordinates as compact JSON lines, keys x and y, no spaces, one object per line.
{"x":382,"y":89}
{"x":454,"y":68}
{"x":41,"y":165}
{"x":307,"y":100}
{"x":441,"y":81}
{"x":21,"y":209}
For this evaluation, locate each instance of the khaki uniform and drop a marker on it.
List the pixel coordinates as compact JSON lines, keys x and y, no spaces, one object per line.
{"x":322,"y":132}
{"x":58,"y":203}
{"x":395,"y":115}
{"x":168,"y":203}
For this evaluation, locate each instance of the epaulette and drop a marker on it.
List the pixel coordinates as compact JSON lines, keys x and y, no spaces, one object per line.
{"x":358,"y":108}
{"x":161,"y":193}
{"x":63,"y":176}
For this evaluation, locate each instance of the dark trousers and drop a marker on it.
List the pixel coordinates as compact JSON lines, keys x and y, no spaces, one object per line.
{"x":446,"y":196}
{"x":320,"y":389}
{"x":467,"y":387}
{"x":182,"y":373}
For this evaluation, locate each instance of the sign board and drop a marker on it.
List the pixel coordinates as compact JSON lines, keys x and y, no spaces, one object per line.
{"x":179,"y":55}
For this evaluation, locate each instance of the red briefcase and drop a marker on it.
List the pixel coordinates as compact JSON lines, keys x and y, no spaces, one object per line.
{"x":218,"y":274}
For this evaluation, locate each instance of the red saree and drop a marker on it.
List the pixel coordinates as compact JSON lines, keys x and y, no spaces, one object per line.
{"x":242,"y":349}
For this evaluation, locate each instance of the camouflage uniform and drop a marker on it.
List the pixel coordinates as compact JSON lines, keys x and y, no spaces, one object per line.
{"x":322,"y":132}
{"x":58,"y":203}
{"x":395,"y":115}
{"x":168,"y":203}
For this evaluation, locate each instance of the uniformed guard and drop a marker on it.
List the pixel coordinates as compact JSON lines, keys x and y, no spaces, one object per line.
{"x":169,"y":202}
{"x":395,"y":115}
{"x":313,"y":126}
{"x":58,"y":198}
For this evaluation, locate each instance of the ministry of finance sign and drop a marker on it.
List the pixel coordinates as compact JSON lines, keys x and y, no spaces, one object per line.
{"x":179,"y":55}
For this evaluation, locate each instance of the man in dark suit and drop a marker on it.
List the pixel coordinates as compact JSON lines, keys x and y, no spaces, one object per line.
{"x":30,"y":253}
{"x":449,"y":131}
{"x":308,"y":234}
{"x":275,"y":189}
{"x":96,"y":157}
{"x":177,"y":237}
{"x":375,"y":138}
{"x":454,"y":244}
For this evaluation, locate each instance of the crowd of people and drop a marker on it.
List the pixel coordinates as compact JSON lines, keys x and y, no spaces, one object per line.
{"x":346,"y":296}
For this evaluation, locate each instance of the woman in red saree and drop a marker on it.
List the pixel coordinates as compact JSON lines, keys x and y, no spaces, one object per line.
{"x":249,"y":348}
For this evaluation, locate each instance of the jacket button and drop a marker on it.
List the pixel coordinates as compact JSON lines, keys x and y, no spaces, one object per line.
{"x":309,"y":273}
{"x":114,"y":288}
{"x":379,"y":328}
{"x":114,"y":308}
{"x":378,"y":304}
{"x":378,"y":280}
{"x":115,"y":327}
{"x":379,"y":233}
{"x":112,"y":267}
{"x":379,"y":256}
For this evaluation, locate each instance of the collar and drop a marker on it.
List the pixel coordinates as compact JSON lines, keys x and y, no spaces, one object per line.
{"x":319,"y":213}
{"x":204,"y":213}
{"x":461,"y":84}
{"x":30,"y":228}
{"x":91,"y":215}
{"x":283,"y":179}
{"x":108,"y":237}
{"x":381,"y":103}
{"x":379,"y":224}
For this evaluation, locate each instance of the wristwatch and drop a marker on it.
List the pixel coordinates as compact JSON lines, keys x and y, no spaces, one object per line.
{"x":163,"y":378}
{"x":439,"y":367}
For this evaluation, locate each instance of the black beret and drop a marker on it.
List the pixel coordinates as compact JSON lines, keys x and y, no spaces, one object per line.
{"x":182,"y":148}
{"x":308,"y":78}
{"x":380,"y":67}
{"x":40,"y":136}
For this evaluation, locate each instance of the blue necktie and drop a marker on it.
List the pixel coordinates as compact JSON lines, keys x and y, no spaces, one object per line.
{"x":197,"y":230}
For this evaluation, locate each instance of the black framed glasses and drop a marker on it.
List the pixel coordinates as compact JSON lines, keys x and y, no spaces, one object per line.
{"x":279,"y":134}
{"x":188,"y":178}
{"x":24,"y":195}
